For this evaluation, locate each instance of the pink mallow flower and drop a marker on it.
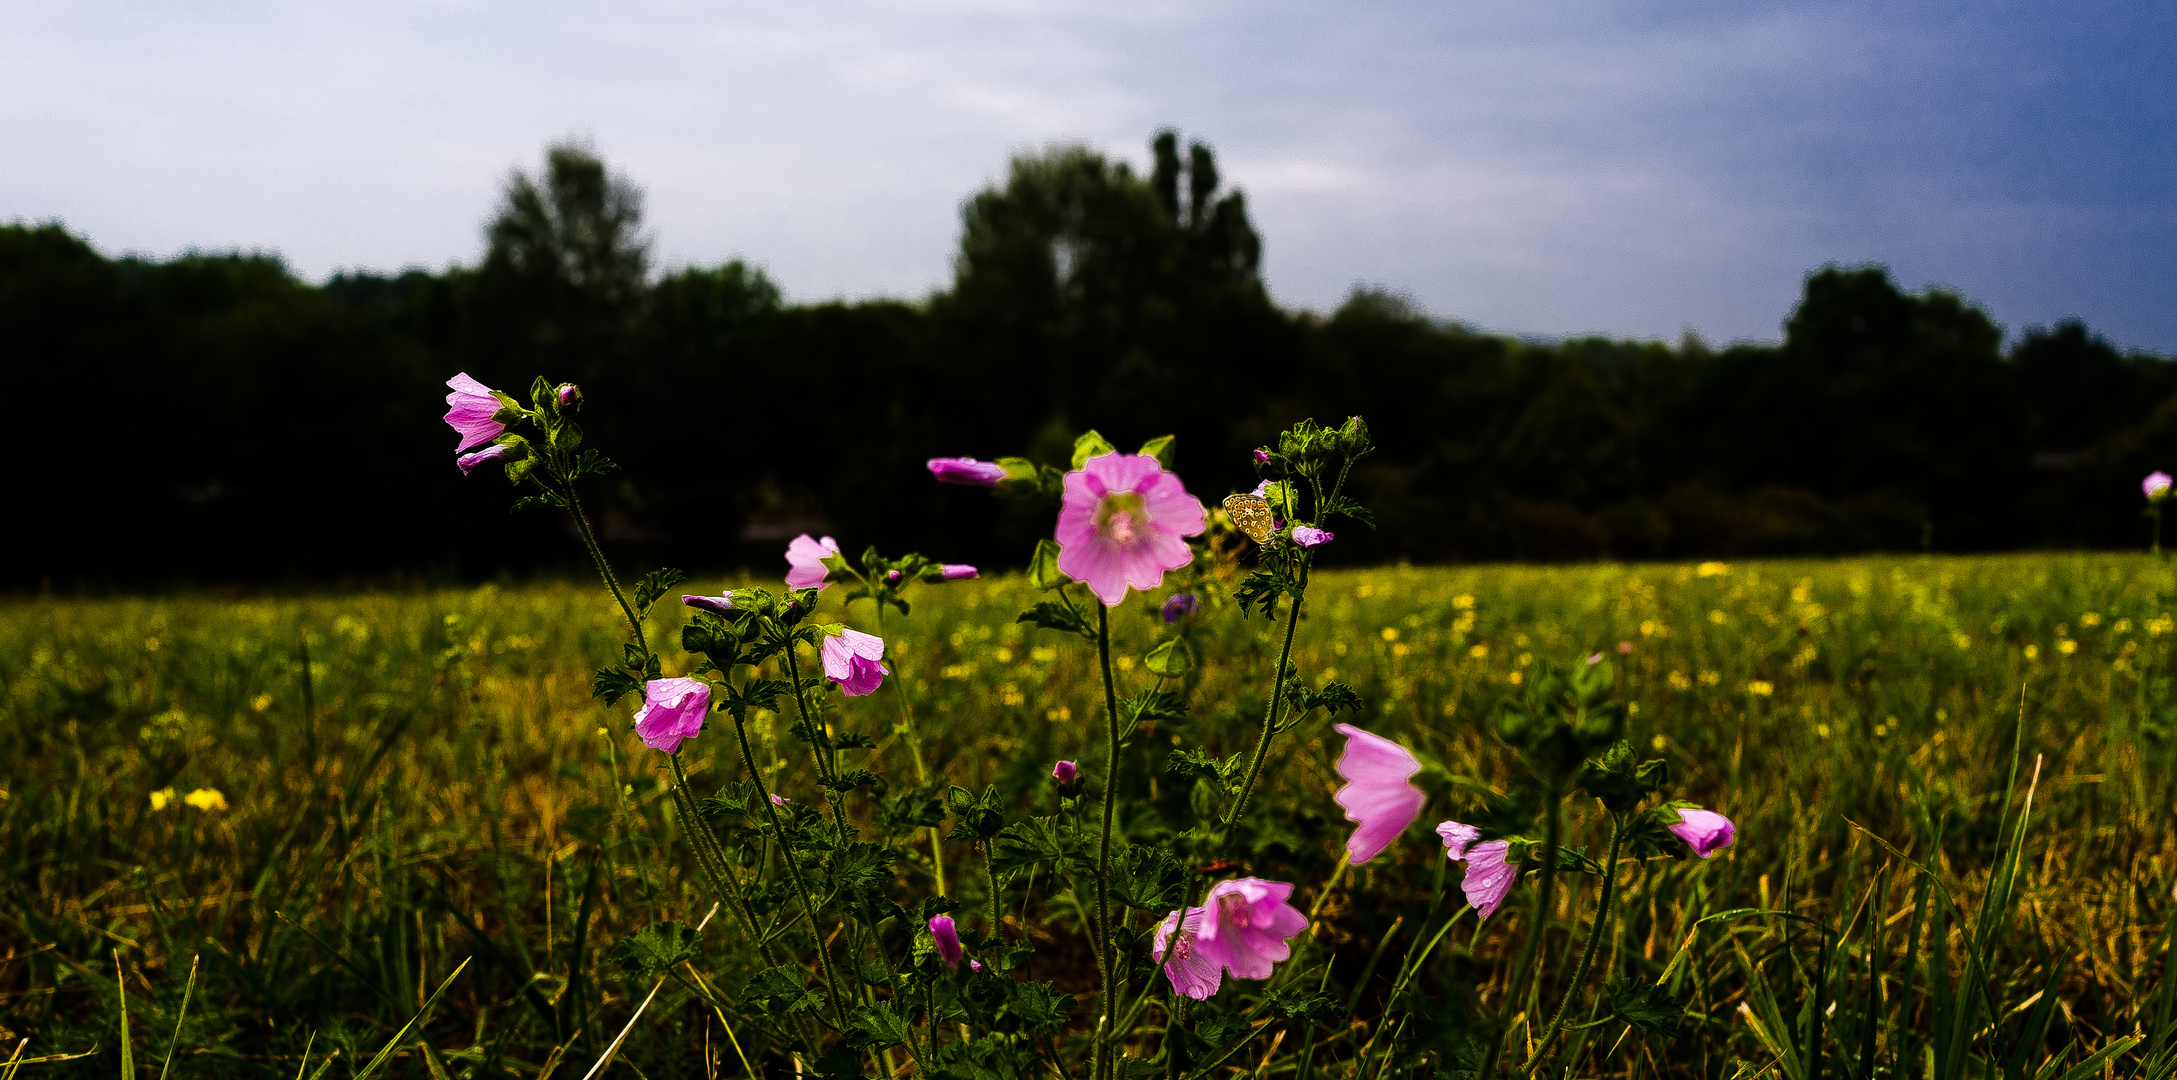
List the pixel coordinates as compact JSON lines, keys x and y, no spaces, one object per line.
{"x":805,"y":561}
{"x":486,"y":456}
{"x":1488,"y":876}
{"x":1242,"y":927}
{"x":780,"y":800}
{"x":2155,"y":485}
{"x":716,"y":605}
{"x":966,"y":471}
{"x":469,"y":410}
{"x":672,"y":710}
{"x":947,"y":937}
{"x":957,"y":571}
{"x":1308,"y":536}
{"x":1705,"y":831}
{"x":1124,"y":522}
{"x":1379,"y":796}
{"x":851,"y":660}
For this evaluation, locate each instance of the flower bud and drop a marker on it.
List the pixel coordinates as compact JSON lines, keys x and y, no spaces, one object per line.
{"x":489,"y":454}
{"x":1068,"y":776}
{"x":1179,"y":607}
{"x":966,"y":471}
{"x":957,"y":571}
{"x":716,"y":605}
{"x":1261,"y":458}
{"x":891,"y":575}
{"x":947,"y":938}
{"x":2155,"y":486}
{"x":1308,"y":536}
{"x":567,"y":393}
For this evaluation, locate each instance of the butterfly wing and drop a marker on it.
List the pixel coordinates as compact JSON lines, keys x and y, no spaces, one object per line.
{"x":1252,"y":514}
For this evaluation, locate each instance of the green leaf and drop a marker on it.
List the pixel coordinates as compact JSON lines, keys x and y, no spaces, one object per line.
{"x":980,"y":815}
{"x":1043,"y":571}
{"x":851,"y":779}
{"x":655,"y":948}
{"x":1149,"y":879}
{"x":1645,"y":1006}
{"x":1052,"y":615}
{"x":654,"y":585}
{"x":1161,"y":448}
{"x":611,"y":684}
{"x":1170,"y":659}
{"x":778,"y":990}
{"x":876,"y":1026}
{"x":535,"y":502}
{"x":1089,"y":445}
{"x":1153,"y":705}
{"x":1347,"y":508}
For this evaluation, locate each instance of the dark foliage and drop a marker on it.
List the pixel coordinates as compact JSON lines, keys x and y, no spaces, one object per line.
{"x":212,"y":419}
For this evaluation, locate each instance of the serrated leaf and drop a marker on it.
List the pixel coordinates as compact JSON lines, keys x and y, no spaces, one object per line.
{"x":609,"y":685}
{"x":1645,"y":1006}
{"x":654,"y":585}
{"x":876,"y":1026}
{"x":1052,"y":615}
{"x":654,"y":948}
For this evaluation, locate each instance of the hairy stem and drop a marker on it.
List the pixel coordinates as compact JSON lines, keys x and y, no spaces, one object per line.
{"x":1106,"y":964}
{"x":914,"y":748}
{"x":793,"y":869}
{"x":1594,"y":942}
{"x":827,"y":765}
{"x":604,"y":569}
{"x":1269,"y":715}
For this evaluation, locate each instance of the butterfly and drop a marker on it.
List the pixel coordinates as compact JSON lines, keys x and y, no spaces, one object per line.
{"x":1252,"y":514}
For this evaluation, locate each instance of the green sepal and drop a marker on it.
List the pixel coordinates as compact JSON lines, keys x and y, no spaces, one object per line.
{"x":1170,"y":659}
{"x":1089,"y":445}
{"x":1163,"y":448}
{"x":1043,"y":571}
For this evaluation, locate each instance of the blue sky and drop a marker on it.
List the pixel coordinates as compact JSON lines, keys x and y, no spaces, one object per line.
{"x":1635,"y":170}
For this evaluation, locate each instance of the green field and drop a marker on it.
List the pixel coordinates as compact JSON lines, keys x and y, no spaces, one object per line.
{"x":411,"y":780}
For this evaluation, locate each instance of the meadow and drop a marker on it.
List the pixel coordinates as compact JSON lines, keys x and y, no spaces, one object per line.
{"x":255,"y":837}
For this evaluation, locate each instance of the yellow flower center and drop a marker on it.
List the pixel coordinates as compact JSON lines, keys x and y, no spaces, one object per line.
{"x":1120,"y":516}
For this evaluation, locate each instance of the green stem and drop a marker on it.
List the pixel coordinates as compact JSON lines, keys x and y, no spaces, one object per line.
{"x":1269,"y":715}
{"x":990,"y":883}
{"x":604,"y":569}
{"x":826,"y":765}
{"x":914,"y":748}
{"x":1105,"y":963}
{"x":1523,"y":974}
{"x":792,"y":860}
{"x":710,"y":854}
{"x":1594,"y":942}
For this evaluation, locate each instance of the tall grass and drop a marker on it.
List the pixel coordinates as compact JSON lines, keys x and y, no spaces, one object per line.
{"x":1952,"y":780}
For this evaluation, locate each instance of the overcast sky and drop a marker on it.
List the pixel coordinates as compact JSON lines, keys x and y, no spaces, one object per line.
{"x":1634,"y":170}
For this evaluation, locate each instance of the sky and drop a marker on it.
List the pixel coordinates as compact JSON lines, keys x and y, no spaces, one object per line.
{"x":1635,"y":170}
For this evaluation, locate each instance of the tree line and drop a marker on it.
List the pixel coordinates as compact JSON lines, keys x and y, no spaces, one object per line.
{"x":213,"y":419}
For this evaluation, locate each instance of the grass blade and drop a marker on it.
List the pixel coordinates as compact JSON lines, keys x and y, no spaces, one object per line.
{"x":395,"y":1041}
{"x":186,"y":992}
{"x":128,"y":1053}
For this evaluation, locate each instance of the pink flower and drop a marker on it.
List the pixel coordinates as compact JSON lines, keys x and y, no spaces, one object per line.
{"x":1705,"y":831}
{"x":851,"y":660}
{"x":779,"y":800}
{"x":975,"y":966}
{"x":717,"y":605}
{"x":1308,"y":536}
{"x":1066,"y":773}
{"x":1261,"y":458}
{"x":1242,"y":927}
{"x":1123,"y":523}
{"x":966,"y":471}
{"x":1625,"y":648}
{"x":2155,"y":485}
{"x":672,"y":710}
{"x":470,"y":409}
{"x":947,"y":938}
{"x":1488,"y":876}
{"x":486,"y":456}
{"x":1379,"y":796}
{"x":957,"y":571}
{"x":806,"y":559}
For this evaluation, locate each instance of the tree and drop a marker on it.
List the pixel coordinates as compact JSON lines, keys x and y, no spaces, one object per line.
{"x":566,"y":269}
